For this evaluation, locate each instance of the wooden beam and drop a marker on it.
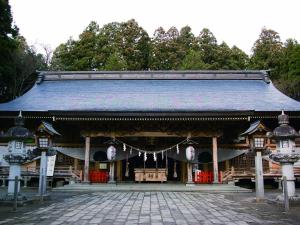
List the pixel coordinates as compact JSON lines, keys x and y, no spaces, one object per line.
{"x":150,"y":134}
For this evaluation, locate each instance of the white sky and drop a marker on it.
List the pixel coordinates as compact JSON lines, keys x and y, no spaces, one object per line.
{"x":237,"y":22}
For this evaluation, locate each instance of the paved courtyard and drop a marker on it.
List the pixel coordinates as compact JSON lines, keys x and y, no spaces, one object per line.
{"x":147,"y":208}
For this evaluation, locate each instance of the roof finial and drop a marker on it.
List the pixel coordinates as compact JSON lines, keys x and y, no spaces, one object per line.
{"x":19,"y":121}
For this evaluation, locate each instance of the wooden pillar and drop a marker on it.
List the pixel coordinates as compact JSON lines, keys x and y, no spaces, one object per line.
{"x":215,"y":159}
{"x":87,"y":160}
{"x":119,"y":170}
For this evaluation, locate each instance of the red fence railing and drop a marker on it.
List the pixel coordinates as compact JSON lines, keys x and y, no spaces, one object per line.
{"x":206,"y":177}
{"x":98,"y":176}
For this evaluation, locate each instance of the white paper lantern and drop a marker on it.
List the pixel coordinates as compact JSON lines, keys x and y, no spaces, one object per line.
{"x":190,"y":153}
{"x":111,"y":153}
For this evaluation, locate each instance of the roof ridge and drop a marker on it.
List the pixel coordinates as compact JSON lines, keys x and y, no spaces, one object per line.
{"x":155,"y":75}
{"x":153,"y":71}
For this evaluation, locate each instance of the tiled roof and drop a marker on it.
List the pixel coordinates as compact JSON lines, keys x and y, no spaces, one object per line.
{"x":148,"y":91}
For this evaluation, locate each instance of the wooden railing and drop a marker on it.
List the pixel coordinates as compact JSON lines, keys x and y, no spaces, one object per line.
{"x":234,"y":173}
{"x":62,"y":171}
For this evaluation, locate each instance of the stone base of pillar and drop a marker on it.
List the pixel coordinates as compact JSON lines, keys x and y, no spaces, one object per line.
{"x":111,"y":182}
{"x":86,"y":182}
{"x":189,"y":184}
{"x":258,"y":200}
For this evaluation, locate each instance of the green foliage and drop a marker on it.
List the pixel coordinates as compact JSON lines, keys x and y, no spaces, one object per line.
{"x":18,"y":61}
{"x":231,"y":58}
{"x":209,"y":48}
{"x":289,"y":81}
{"x":193,"y":61}
{"x":115,"y":62}
{"x":267,"y":52}
{"x":95,"y":47}
{"x":167,"y":49}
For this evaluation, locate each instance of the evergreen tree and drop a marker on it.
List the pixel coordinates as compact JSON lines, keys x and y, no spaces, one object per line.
{"x":193,"y":61}
{"x":115,"y":62}
{"x":289,"y":81}
{"x":8,"y":32}
{"x":209,"y":48}
{"x":18,"y":61}
{"x":267,"y":52}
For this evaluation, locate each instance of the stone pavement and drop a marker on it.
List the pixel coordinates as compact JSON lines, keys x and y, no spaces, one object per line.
{"x":144,"y":208}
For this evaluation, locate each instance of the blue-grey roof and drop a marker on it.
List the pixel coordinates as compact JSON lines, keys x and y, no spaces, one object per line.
{"x":253,"y":127}
{"x":152,"y":91}
{"x":50,"y":128}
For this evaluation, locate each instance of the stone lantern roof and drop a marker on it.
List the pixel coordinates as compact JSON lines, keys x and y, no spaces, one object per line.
{"x":284,"y":131}
{"x":18,"y":131}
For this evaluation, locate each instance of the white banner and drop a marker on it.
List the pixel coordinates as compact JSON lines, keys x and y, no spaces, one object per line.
{"x":50,"y":165}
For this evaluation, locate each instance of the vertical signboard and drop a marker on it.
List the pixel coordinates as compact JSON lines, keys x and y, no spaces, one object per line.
{"x":50,"y":165}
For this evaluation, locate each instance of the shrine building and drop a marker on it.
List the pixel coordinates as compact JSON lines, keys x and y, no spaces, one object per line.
{"x":153,"y":126}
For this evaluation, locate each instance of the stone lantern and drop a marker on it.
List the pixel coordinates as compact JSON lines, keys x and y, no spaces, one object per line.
{"x":17,"y":153}
{"x":285,"y":136}
{"x":257,"y":140}
{"x":44,"y":137}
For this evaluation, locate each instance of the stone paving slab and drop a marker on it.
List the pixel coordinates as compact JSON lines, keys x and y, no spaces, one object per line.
{"x":155,"y":208}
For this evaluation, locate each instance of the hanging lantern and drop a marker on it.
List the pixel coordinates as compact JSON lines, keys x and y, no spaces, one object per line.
{"x":140,"y":154}
{"x":130,"y":151}
{"x":162,"y":155}
{"x":124,"y":147}
{"x":190,"y":153}
{"x":111,"y":153}
{"x":177,"y":149}
{"x":145,"y":156}
{"x":154,"y":157}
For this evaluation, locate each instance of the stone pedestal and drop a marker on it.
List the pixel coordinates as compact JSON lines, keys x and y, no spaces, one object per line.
{"x":288,"y":172}
{"x":14,"y":170}
{"x":259,"y":179}
{"x":287,"y":168}
{"x":43,"y":174}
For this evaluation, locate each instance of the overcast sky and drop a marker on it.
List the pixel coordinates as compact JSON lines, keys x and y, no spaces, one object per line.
{"x":237,"y":22}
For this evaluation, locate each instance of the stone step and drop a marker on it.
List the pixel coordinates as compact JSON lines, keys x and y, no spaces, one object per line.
{"x":153,"y":187}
